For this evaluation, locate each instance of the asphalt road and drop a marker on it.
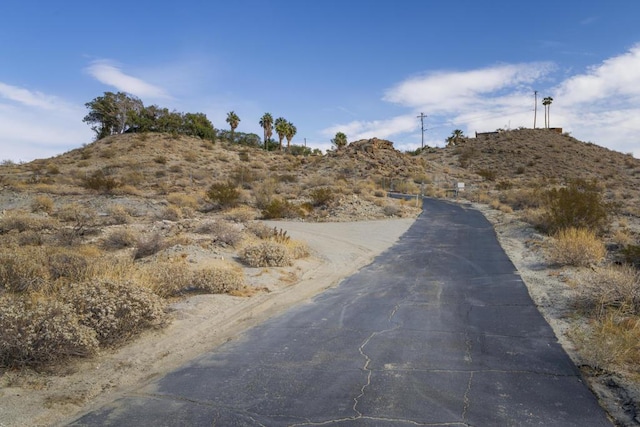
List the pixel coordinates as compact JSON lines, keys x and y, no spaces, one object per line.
{"x":438,"y":330}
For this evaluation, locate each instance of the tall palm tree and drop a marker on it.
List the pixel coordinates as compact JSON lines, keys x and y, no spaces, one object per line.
{"x":290,"y":133}
{"x":281,"y":129}
{"x":266,"y":122}
{"x":233,"y":120}
{"x":547,"y":106}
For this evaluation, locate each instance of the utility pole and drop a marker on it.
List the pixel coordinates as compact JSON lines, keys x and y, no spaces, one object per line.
{"x":535,"y":107}
{"x":421,"y":117}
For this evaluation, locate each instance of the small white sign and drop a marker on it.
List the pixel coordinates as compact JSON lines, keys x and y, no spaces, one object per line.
{"x":461,"y":186}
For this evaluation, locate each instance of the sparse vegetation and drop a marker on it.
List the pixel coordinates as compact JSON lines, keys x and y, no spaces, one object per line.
{"x":577,"y":247}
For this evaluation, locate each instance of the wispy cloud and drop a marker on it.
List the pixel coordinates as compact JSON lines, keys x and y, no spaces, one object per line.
{"x":107,"y":72}
{"x":36,"y":125}
{"x":27,"y":97}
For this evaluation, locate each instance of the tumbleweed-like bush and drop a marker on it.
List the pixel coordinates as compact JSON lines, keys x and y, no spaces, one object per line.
{"x":39,"y":331}
{"x":266,"y":254}
{"x":116,"y":311}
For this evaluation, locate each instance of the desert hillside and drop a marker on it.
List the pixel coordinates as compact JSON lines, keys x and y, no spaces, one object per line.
{"x":100,"y":244}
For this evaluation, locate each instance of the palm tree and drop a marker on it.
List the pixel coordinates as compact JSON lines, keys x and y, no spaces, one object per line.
{"x":455,"y":135}
{"x":547,"y":106}
{"x":233,"y":120}
{"x":281,"y":129}
{"x":340,"y":140}
{"x":266,"y":122}
{"x":290,"y":133}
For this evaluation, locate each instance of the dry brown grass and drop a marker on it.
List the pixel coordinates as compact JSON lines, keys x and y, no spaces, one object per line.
{"x":576,"y":247}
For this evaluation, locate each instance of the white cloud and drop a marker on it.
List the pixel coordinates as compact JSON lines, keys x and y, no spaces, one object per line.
{"x":36,"y":125}
{"x":27,"y":97}
{"x":615,"y":80}
{"x":108,"y":73}
{"x":445,"y":92}
{"x":601,"y":105}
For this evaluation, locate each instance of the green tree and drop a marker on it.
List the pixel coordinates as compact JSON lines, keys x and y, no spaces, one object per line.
{"x":547,"y":106}
{"x":197,"y":124}
{"x":233,"y":120}
{"x":340,"y":140}
{"x":266,"y":122}
{"x":110,"y":114}
{"x":281,"y":129}
{"x":290,"y":133}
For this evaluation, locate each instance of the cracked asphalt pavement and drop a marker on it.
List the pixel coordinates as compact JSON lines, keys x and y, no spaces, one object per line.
{"x":439,"y":330}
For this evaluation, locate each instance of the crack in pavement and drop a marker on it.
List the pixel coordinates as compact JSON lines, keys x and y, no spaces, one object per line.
{"x":466,"y":400}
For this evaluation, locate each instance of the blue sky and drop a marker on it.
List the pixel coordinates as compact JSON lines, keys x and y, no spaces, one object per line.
{"x":366,"y":68}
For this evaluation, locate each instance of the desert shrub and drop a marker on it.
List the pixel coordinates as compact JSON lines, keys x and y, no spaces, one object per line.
{"x":244,"y":176}
{"x":225,"y":195}
{"x":280,"y":208}
{"x":183,"y":200}
{"x":119,"y":239}
{"x":65,"y":264}
{"x":406,"y":187}
{"x":22,"y":221}
{"x":321,"y":196}
{"x":222,"y":233}
{"x":521,"y":198}
{"x":171,"y":213}
{"x":578,"y":205}
{"x":149,"y":245}
{"x":217,"y":279}
{"x":42,"y":204}
{"x":240,"y":214}
{"x":30,"y":238}
{"x":260,"y":230}
{"x":266,"y":254}
{"x":161,"y":160}
{"x":41,"y":331}
{"x":610,"y":344}
{"x":80,"y":216}
{"x":504,"y":185}
{"x":114,"y":310}
{"x":165,"y":279}
{"x":392,"y":210}
{"x":611,"y":287}
{"x":98,"y":181}
{"x":631,"y":255}
{"x":118,"y":214}
{"x":23,"y":269}
{"x":298,"y":249}
{"x":287,"y":178}
{"x":576,"y":247}
{"x":133,"y":178}
{"x":264,"y":192}
{"x":488,"y":174}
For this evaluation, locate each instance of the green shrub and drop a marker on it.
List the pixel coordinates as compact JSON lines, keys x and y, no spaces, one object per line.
{"x":579,"y":205}
{"x":115,"y":311}
{"x":36,"y":332}
{"x":321,"y":196}
{"x":266,"y":254}
{"x":279,"y":208}
{"x":224,"y":194}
